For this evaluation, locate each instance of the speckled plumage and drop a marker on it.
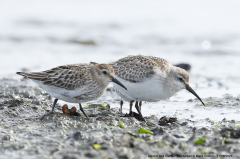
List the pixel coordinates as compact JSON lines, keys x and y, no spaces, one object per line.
{"x":148,"y":78}
{"x":68,"y":77}
{"x":133,"y":68}
{"x":75,"y":83}
{"x":140,"y":71}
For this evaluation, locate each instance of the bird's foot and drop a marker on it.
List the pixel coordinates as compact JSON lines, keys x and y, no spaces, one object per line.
{"x":133,"y":114}
{"x":124,"y":115}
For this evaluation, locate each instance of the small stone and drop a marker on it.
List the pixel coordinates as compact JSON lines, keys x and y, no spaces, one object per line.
{"x":108,"y":106}
{"x":178,"y":136}
{"x":6,"y":138}
{"x":184,"y":123}
{"x":77,"y":135}
{"x":158,"y":130}
{"x":35,"y":108}
{"x":69,"y":157}
{"x":91,"y":154}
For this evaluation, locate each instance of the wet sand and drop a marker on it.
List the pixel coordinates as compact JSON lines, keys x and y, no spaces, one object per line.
{"x":30,"y":130}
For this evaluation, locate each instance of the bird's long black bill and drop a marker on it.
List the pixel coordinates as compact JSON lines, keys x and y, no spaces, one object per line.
{"x":194,"y":93}
{"x":117,"y":82}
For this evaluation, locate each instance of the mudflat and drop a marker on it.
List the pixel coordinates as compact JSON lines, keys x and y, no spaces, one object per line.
{"x":29,"y":130}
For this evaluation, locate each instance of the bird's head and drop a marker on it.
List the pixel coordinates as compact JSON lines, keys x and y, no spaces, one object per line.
{"x":104,"y":74}
{"x":181,"y":81}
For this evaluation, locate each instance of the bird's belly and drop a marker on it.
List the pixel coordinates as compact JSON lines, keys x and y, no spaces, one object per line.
{"x":78,"y":95}
{"x":150,"y":90}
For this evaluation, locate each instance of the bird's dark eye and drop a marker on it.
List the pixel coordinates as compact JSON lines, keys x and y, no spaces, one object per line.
{"x":180,"y":79}
{"x":104,"y":72}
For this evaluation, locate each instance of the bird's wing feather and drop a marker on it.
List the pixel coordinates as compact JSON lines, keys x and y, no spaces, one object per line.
{"x":68,"y":76}
{"x":163,"y":64}
{"x":134,"y":68}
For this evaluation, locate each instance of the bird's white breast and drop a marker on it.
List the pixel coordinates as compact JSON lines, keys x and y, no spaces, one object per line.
{"x":150,"y":89}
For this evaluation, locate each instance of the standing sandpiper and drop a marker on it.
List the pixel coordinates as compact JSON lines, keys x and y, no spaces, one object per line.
{"x":75,"y":83}
{"x":149,"y":79}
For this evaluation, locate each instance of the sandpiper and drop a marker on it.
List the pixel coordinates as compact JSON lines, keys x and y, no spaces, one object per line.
{"x":76,"y":83}
{"x":149,"y":79}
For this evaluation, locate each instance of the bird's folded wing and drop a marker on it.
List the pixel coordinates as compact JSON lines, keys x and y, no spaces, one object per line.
{"x":162,"y":63}
{"x":68,"y":77}
{"x":134,"y":68}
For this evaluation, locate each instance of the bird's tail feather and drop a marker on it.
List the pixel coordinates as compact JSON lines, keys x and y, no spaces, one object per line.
{"x":32,"y":75}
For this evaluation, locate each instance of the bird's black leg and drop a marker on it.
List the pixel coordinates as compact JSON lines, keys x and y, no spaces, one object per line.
{"x":81,"y":108}
{"x":121,"y":104}
{"x":140,"y":106}
{"x":136,"y":106}
{"x":54,"y":103}
{"x":130,"y":111}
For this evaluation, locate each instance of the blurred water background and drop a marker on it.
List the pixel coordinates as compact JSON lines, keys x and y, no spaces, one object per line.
{"x":38,"y":35}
